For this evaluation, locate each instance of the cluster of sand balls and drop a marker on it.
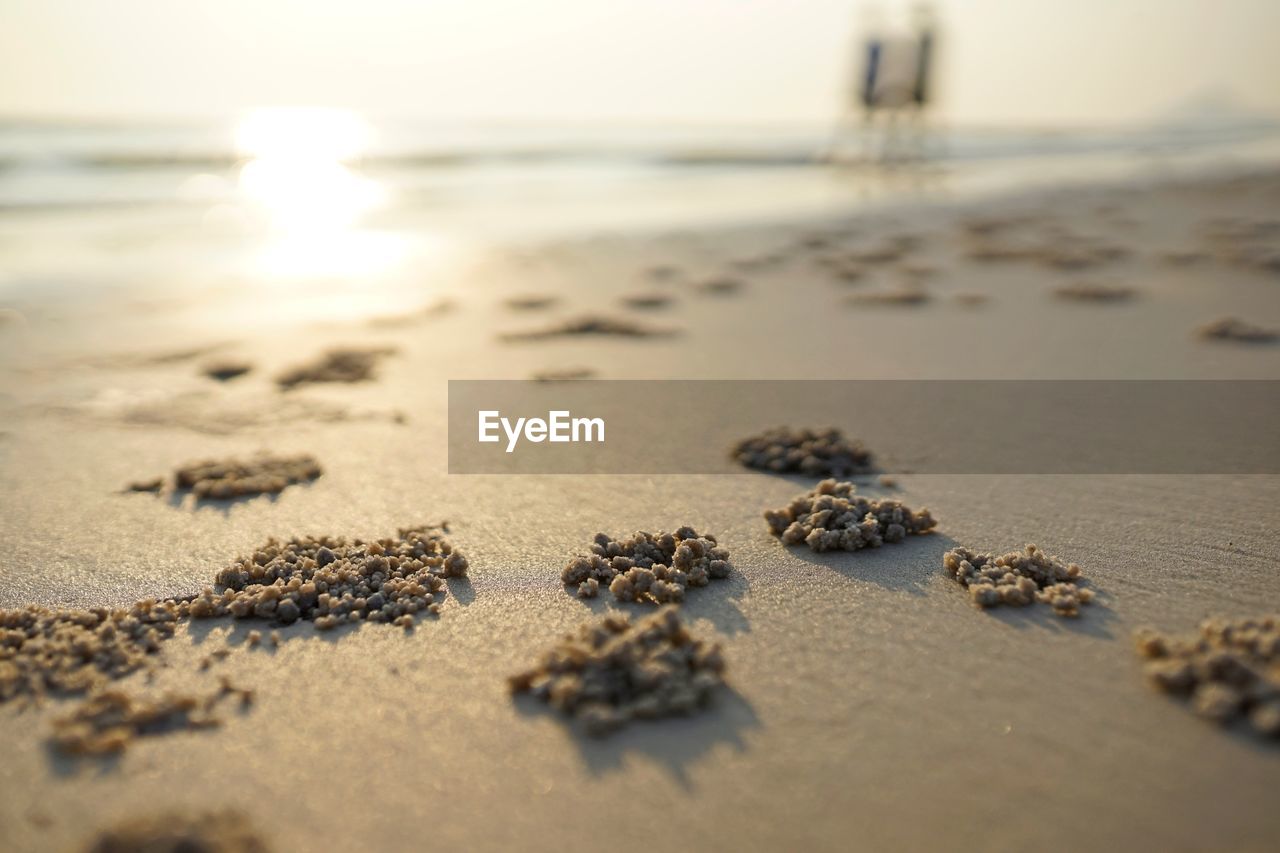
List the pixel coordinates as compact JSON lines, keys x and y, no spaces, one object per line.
{"x":1018,"y":578}
{"x":225,"y":370}
{"x":1235,"y":329}
{"x":1092,"y":291}
{"x":833,"y":517}
{"x":1058,"y":249}
{"x":222,"y":479}
{"x":901,"y":295}
{"x":71,"y":651}
{"x":108,"y":721}
{"x":1230,"y":670}
{"x":341,"y":364}
{"x":812,"y":452}
{"x":648,"y":567}
{"x":1244,"y":243}
{"x":612,"y":671}
{"x":328,"y":580}
{"x":588,"y":326}
{"x":171,"y":832}
{"x":333,"y":581}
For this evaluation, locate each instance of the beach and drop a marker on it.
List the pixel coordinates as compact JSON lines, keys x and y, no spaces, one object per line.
{"x":868,"y":701}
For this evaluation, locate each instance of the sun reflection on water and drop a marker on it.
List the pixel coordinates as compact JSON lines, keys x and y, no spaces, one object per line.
{"x":302,"y":178}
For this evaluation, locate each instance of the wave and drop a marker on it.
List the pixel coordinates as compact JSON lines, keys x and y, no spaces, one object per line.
{"x":53,"y":167}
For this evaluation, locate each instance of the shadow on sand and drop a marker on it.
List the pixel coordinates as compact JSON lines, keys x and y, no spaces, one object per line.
{"x":1095,"y":620}
{"x":907,"y":566}
{"x":673,"y":743}
{"x":186,"y":499}
{"x":68,"y":765}
{"x":913,"y":564}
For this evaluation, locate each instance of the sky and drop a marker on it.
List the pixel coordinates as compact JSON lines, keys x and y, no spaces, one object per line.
{"x":1002,"y":62}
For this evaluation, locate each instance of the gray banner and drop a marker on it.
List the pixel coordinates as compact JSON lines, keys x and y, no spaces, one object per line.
{"x":924,"y":426}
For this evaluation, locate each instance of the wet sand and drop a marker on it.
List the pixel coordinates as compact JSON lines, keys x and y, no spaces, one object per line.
{"x":871,"y":702}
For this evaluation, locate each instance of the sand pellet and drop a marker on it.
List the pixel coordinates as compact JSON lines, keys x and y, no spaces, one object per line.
{"x":530,"y":301}
{"x":1233,"y":329}
{"x":1228,"y":671}
{"x":1184,"y":257}
{"x":890,"y":252}
{"x":987,"y":225}
{"x":652,"y":568}
{"x":833,"y":517}
{"x":1086,"y":291}
{"x":612,"y":671}
{"x":720,"y":285}
{"x":588,"y":326}
{"x":567,"y":374}
{"x":246,"y":695}
{"x":663,"y":272}
{"x":647,"y":301}
{"x":181,"y":832}
{"x":898,"y":296}
{"x":1080,"y":255}
{"x":987,"y":251}
{"x":216,"y":655}
{"x":821,"y":452}
{"x":341,"y":364}
{"x":919,"y":272}
{"x":1018,"y":579}
{"x":845,"y":270}
{"x":333,"y":581}
{"x":757,"y":262}
{"x":226,"y":370}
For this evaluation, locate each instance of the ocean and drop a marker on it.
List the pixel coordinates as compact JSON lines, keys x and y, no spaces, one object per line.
{"x":319,"y":194}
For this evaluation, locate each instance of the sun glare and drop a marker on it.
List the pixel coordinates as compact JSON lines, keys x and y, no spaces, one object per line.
{"x":302,"y":133}
{"x":301,"y":175}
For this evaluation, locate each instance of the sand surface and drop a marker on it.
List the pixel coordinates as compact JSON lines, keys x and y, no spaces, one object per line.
{"x":872,"y":704}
